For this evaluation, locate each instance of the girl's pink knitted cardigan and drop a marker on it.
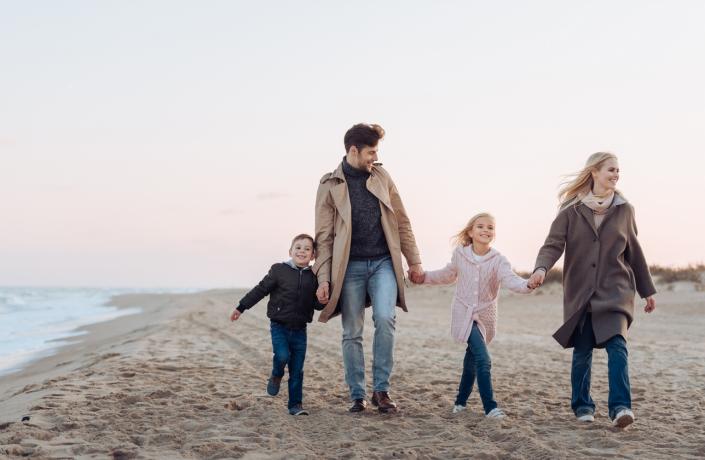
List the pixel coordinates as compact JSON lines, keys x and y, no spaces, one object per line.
{"x":476,"y":290}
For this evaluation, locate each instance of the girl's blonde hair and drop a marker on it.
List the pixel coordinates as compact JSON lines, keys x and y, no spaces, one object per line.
{"x":581,"y":182}
{"x":462,"y":238}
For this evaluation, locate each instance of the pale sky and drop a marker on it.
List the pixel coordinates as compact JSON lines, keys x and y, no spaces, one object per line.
{"x":180,"y":144}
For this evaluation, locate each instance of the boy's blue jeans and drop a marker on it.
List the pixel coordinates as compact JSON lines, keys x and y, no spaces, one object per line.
{"x":376,"y":278}
{"x":477,"y":363}
{"x":617,"y":372}
{"x":289,"y":347}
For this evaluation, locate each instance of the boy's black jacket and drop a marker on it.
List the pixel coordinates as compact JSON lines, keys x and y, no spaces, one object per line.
{"x":292,"y":295}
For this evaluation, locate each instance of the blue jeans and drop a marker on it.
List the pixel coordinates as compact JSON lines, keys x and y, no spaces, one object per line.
{"x":617,"y":372}
{"x":289,"y":348}
{"x":478,"y":363}
{"x":377,"y":279}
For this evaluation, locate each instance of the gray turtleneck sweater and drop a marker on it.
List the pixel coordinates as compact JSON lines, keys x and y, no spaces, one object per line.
{"x":368,"y":241}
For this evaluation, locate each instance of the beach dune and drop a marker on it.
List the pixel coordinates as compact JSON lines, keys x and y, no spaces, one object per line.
{"x":180,"y":381}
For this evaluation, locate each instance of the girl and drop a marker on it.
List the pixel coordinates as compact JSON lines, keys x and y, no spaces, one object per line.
{"x":603,"y":264}
{"x":479,"y":270}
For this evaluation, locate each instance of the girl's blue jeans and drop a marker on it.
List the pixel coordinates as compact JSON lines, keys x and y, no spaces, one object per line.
{"x":477,"y":364}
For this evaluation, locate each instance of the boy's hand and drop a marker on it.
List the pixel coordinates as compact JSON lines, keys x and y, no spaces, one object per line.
{"x":650,"y":304}
{"x":323,"y":292}
{"x":236,"y":314}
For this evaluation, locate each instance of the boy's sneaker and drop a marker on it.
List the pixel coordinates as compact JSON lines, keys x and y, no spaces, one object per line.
{"x":623,"y":419}
{"x":496,"y":413}
{"x":587,"y":418}
{"x":458,"y":408}
{"x":273,"y":385}
{"x":298,"y":410}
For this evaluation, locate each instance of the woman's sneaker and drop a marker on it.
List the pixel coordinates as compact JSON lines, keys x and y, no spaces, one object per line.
{"x":458,"y":408}
{"x":496,"y":413}
{"x":623,"y":419}
{"x":298,"y":410}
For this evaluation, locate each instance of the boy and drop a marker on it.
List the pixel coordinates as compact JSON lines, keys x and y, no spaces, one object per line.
{"x":292,"y":288}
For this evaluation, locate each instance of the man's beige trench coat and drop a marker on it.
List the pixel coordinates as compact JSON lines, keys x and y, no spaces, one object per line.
{"x":602,"y":268}
{"x":334,"y":226}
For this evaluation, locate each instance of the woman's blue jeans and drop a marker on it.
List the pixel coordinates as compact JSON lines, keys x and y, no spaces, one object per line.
{"x":377,"y":279}
{"x":289,"y":347}
{"x":477,"y":363}
{"x":617,"y":372}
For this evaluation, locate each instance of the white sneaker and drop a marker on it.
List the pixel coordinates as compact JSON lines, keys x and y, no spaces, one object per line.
{"x":624,"y":418}
{"x":458,"y":408}
{"x":586,"y":418}
{"x":496,"y":413}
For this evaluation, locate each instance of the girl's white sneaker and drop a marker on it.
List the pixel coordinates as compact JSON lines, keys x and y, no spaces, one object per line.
{"x":623,"y":419}
{"x":496,"y":413}
{"x":458,"y":408}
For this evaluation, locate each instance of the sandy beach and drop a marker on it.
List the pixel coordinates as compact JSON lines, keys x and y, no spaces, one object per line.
{"x":180,"y":381}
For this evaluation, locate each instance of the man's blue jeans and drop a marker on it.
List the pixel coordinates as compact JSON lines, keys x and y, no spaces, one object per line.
{"x":477,"y":363}
{"x":289,"y":347}
{"x":617,"y":372}
{"x":377,"y":279}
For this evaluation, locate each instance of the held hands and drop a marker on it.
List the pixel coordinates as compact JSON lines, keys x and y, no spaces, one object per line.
{"x":323,"y":292}
{"x":650,"y":304}
{"x":236,"y":314}
{"x":536,"y":279}
{"x":416,"y":274}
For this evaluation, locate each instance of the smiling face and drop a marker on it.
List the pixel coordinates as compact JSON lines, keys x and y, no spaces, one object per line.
{"x":605,"y":178}
{"x":301,"y":252}
{"x":362,"y":159}
{"x":482,"y":231}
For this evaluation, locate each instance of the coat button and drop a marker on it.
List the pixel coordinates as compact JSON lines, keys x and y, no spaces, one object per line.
{"x":593,"y":265}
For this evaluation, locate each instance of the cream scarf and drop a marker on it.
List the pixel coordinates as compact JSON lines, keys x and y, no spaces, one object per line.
{"x":599,"y":204}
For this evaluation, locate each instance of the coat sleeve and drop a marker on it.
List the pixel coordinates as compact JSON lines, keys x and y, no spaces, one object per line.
{"x":264,"y":288}
{"x":406,"y":234}
{"x":634,"y":256}
{"x":511,"y":280}
{"x":446,"y":275}
{"x":325,"y":233}
{"x":553,"y":247}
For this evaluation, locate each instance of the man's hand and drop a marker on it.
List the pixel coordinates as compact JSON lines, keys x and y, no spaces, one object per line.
{"x":416,"y":273}
{"x":536,"y":279}
{"x":650,"y":304}
{"x":236,"y":314}
{"x":323,"y":292}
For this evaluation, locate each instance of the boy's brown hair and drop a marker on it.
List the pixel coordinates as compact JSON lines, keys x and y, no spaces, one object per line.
{"x":303,"y":236}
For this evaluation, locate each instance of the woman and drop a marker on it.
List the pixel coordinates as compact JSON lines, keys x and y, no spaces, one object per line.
{"x":603,"y":265}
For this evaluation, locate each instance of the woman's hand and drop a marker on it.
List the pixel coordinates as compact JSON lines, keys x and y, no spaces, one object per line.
{"x":536,"y":279}
{"x":650,"y":304}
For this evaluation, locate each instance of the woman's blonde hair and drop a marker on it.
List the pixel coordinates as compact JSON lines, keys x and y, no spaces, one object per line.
{"x":462,"y":238}
{"x":582,"y":182}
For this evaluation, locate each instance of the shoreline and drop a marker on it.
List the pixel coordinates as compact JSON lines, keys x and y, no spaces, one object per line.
{"x":69,"y":356}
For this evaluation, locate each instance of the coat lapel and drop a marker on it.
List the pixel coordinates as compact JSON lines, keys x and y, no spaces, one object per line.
{"x":587,"y":215}
{"x":339,"y":192}
{"x":375,"y":186}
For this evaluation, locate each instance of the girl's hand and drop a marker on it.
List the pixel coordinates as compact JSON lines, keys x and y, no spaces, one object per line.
{"x":536,"y":279}
{"x":236,"y":314}
{"x":650,"y":304}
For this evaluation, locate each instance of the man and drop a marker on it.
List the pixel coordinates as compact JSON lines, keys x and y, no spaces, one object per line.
{"x":361,"y":231}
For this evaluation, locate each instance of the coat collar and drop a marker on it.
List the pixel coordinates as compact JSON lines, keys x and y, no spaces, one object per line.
{"x":291,"y":264}
{"x":586,"y":212}
{"x":339,"y":190}
{"x":464,"y":251}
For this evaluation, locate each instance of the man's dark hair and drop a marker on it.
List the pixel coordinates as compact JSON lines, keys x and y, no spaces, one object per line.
{"x":363,"y":135}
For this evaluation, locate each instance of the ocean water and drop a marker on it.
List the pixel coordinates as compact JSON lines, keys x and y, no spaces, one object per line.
{"x":34,"y":322}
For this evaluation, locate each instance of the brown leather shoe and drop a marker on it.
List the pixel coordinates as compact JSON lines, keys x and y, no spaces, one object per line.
{"x":359,"y":405}
{"x":381,"y":400}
